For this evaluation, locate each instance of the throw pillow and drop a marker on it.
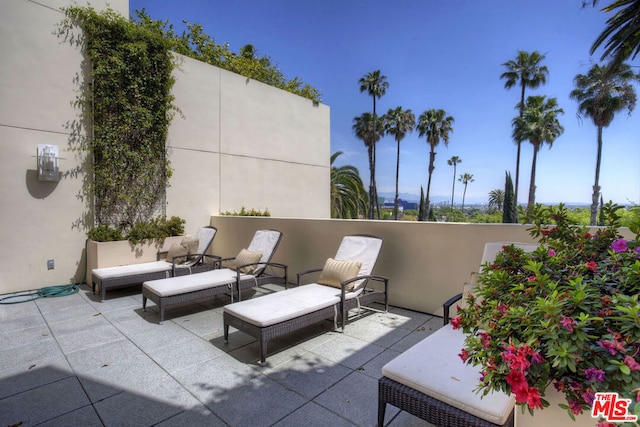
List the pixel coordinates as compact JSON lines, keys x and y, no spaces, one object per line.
{"x":191,"y":243}
{"x":177,"y":250}
{"x":335,"y":272}
{"x":247,"y":257}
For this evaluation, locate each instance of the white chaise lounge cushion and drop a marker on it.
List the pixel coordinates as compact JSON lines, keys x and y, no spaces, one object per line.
{"x":193,"y":282}
{"x":434,"y":368}
{"x":285,"y":305}
{"x":131,"y":269}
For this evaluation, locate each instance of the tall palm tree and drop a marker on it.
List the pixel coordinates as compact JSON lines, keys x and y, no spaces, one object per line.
{"x":622,"y":34}
{"x":465,"y":179}
{"x":601,"y":93}
{"x":398,"y":122}
{"x":376,"y":86}
{"x":349,"y":199}
{"x":539,"y":124}
{"x":496,"y":199}
{"x":436,"y":126}
{"x":526,"y":72}
{"x":453,"y":161}
{"x":369,"y":131}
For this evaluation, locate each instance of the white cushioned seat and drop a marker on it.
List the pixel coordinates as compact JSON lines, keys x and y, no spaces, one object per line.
{"x":434,"y":368}
{"x":131,"y":269}
{"x":192,"y":282}
{"x":286,"y":305}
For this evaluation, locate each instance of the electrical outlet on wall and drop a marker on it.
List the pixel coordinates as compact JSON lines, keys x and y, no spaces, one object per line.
{"x":50,"y":264}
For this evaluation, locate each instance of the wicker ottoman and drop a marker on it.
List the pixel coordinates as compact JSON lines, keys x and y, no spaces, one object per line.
{"x":430,"y":381}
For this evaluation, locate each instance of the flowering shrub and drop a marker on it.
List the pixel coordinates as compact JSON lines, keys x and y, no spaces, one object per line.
{"x":565,"y":315}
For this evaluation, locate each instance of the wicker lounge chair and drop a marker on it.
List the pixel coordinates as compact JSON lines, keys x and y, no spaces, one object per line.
{"x":430,"y":381}
{"x":286,"y":311}
{"x":240,"y":277}
{"x":134,"y":274}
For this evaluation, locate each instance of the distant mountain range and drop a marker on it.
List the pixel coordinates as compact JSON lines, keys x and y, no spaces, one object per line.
{"x":413,"y":197}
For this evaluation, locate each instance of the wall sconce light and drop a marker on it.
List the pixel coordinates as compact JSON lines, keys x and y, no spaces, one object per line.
{"x":48,"y":162}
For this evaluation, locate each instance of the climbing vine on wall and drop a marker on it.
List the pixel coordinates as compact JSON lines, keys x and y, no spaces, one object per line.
{"x":129,"y":106}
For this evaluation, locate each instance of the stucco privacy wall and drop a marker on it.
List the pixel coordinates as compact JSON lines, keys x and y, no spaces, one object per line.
{"x":278,"y":159}
{"x":426,"y":262}
{"x":37,"y":87}
{"x":240,"y":143}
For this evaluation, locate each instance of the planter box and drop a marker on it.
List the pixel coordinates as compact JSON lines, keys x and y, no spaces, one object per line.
{"x":111,"y":254}
{"x":553,"y":415}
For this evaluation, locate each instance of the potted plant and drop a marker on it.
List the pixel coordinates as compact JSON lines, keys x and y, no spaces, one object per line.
{"x":564,"y":316}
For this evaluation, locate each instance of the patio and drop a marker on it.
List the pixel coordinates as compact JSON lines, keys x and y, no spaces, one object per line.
{"x":75,"y":361}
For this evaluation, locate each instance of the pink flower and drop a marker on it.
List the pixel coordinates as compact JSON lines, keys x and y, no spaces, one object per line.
{"x":613,"y":347}
{"x":589,"y":396}
{"x":576,"y":407}
{"x":619,"y":245}
{"x":533,"y":398}
{"x":531,"y":278}
{"x":631,"y":363}
{"x":464,"y":355}
{"x":567,"y":322}
{"x":455,"y":322}
{"x":592,"y":266}
{"x":485,"y":339}
{"x":552,"y":252}
{"x":606,"y":424}
{"x":594,"y":374}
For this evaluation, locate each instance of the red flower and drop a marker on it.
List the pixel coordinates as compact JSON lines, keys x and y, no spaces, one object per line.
{"x":464,"y":355}
{"x":533,"y":398}
{"x":455,"y":322}
{"x":592,"y":266}
{"x":576,"y":407}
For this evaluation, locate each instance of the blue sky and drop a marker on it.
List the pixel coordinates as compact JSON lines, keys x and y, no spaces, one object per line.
{"x":438,"y":54}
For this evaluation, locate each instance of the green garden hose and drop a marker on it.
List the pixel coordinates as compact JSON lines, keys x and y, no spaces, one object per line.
{"x":48,"y":291}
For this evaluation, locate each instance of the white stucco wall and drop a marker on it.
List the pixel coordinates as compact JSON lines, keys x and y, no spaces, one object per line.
{"x":238,"y":143}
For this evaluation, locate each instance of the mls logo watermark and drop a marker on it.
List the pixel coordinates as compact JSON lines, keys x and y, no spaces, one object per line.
{"x":612,"y":408}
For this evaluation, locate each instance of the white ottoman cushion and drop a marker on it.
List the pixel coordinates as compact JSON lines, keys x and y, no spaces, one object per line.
{"x":285,"y":305}
{"x":192,"y":282}
{"x":131,"y":269}
{"x":434,"y":368}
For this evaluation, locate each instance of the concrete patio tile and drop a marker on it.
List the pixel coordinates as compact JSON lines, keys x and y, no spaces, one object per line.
{"x":203,"y":323}
{"x":88,"y":321}
{"x":407,"y":319}
{"x":85,"y":417}
{"x":70,"y":313}
{"x":60,"y":304}
{"x":348,"y":351}
{"x":312,"y":415}
{"x":418,"y":334}
{"x":88,"y":338}
{"x":98,"y":357}
{"x":43,"y":403}
{"x":184,"y":354}
{"x":355,"y":398}
{"x":13,"y":319}
{"x":197,"y":416}
{"x":27,"y":377}
{"x":375,"y":332}
{"x":13,"y":339}
{"x":159,"y":336}
{"x":405,"y":419}
{"x":28,"y":355}
{"x":130,"y":409}
{"x":239,"y":394}
{"x":278,"y":352}
{"x":308,"y":374}
{"x":237,"y":340}
{"x":311,"y":336}
{"x":374,"y":367}
{"x":137,"y":374}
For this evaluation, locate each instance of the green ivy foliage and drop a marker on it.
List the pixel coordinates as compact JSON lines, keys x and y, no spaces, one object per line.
{"x":130,"y":106}
{"x":195,"y":43}
{"x":157,"y":229}
{"x":250,"y":212}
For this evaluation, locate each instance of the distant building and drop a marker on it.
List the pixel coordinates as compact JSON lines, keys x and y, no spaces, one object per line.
{"x":402,"y":205}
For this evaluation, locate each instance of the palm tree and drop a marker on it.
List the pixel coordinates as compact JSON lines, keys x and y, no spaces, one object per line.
{"x":496,"y":199}
{"x":398,"y":122}
{"x":435,"y":126}
{"x":348,"y":197}
{"x":538,"y":124}
{"x":453,"y":161}
{"x":376,"y":86}
{"x":622,"y":34}
{"x":601,"y":93}
{"x":369,"y":131}
{"x":526,"y":72}
{"x":465,"y":179}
